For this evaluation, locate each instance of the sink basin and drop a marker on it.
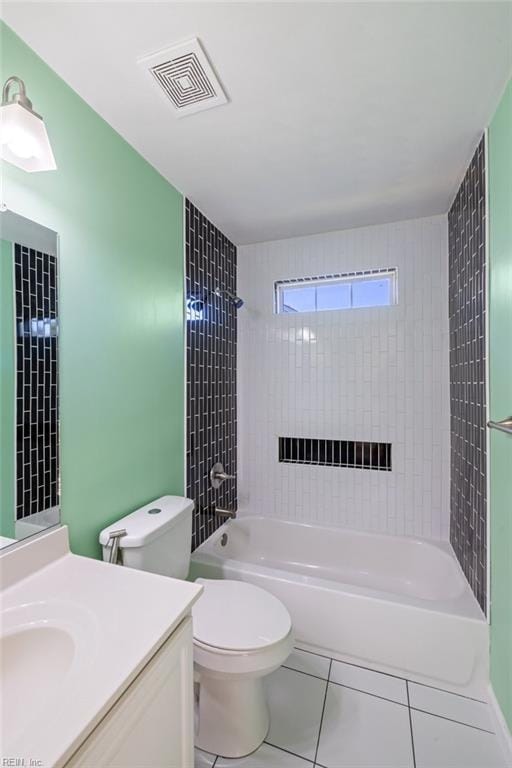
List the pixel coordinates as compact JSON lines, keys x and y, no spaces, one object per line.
{"x":33,"y":662}
{"x":44,"y":647}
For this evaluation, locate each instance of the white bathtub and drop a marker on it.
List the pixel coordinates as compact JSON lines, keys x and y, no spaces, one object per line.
{"x":398,"y":603}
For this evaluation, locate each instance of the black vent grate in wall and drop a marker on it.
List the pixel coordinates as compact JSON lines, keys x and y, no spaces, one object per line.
{"x":335,"y":453}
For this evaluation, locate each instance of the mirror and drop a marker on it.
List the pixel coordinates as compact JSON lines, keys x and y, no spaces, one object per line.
{"x":29,"y":385}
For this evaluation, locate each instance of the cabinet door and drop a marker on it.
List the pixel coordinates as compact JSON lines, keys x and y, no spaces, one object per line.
{"x":151,"y":725}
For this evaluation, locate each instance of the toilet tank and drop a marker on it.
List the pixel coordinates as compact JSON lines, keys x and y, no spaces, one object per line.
{"x":158,"y":537}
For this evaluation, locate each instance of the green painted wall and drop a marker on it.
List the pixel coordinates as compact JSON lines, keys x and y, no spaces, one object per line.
{"x":6,"y":391}
{"x":121,"y":305}
{"x":500,"y":348}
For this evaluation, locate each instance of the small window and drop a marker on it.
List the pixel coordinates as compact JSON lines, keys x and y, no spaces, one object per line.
{"x":374,"y":288}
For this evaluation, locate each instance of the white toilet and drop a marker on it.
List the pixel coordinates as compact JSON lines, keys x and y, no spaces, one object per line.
{"x":241,"y":632}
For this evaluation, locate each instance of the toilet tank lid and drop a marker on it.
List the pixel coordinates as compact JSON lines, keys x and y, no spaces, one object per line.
{"x":150,"y":521}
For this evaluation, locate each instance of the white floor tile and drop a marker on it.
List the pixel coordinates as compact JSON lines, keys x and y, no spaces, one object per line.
{"x":265,"y":757}
{"x":310,"y":663}
{"x":440,"y":743}
{"x":362,"y":731}
{"x":372,"y":682}
{"x":203,"y":759}
{"x":296,"y":703}
{"x":448,"y":705}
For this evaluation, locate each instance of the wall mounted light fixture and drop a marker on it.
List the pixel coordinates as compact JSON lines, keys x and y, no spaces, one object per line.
{"x":24,"y":141}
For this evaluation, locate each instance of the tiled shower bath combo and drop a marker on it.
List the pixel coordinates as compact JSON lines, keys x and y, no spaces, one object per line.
{"x":345,"y":424}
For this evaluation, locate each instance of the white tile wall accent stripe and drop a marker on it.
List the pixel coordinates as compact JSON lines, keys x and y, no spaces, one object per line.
{"x":378,"y":374}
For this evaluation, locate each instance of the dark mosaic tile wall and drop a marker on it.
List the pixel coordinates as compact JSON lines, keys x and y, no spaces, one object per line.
{"x":37,"y":398}
{"x":211,"y":369}
{"x":467,"y":276}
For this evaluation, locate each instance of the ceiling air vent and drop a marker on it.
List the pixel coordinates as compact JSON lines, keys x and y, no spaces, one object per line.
{"x":185,"y":76}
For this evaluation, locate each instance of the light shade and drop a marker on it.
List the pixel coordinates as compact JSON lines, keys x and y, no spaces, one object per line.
{"x":24,"y":141}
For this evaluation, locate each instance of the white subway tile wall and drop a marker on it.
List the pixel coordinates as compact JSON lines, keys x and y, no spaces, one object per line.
{"x":378,"y":375}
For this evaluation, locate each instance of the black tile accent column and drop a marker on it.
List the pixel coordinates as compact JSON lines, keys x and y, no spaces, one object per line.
{"x":211,"y":369}
{"x":37,"y":397}
{"x":467,"y":308}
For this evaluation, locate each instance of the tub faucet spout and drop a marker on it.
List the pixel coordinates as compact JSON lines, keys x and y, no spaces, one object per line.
{"x":225,"y":514}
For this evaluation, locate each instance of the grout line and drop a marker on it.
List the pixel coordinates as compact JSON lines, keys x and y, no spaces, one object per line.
{"x":313,"y":653}
{"x":391,"y":701}
{"x":368,"y":693}
{"x":215,"y":761}
{"x":301,"y":672}
{"x":288,"y":752}
{"x":401,"y":704}
{"x":410,"y":724}
{"x":351,"y":687}
{"x":343,"y":685}
{"x":396,"y":677}
{"x":323,"y":710}
{"x":443,"y":690}
{"x":451,"y":720}
{"x":368,"y":669}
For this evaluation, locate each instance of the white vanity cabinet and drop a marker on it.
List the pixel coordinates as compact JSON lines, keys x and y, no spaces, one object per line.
{"x":151,"y":724}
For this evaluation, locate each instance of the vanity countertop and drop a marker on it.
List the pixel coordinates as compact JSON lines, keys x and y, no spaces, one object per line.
{"x":75,"y":634}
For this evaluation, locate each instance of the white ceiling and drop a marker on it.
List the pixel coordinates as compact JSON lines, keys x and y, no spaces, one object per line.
{"x":340,"y":114}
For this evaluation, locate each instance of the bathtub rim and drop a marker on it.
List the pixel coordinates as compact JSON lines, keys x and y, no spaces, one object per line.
{"x":465,"y":606}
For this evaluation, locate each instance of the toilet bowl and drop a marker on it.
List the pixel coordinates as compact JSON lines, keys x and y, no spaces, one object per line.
{"x":241,"y":634}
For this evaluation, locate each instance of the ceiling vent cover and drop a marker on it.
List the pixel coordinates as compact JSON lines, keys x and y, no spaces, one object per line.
{"x":185,"y":76}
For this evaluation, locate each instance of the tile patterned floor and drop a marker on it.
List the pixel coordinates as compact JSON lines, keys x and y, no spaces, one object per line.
{"x":327,"y":714}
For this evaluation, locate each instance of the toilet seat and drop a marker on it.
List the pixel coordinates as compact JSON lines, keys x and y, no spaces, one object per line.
{"x":220,"y":663}
{"x":235,"y":617}
{"x":241,"y":634}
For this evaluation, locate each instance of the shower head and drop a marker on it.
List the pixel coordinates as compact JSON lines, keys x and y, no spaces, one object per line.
{"x":237,"y":301}
{"x":224,"y":294}
{"x":197,"y":306}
